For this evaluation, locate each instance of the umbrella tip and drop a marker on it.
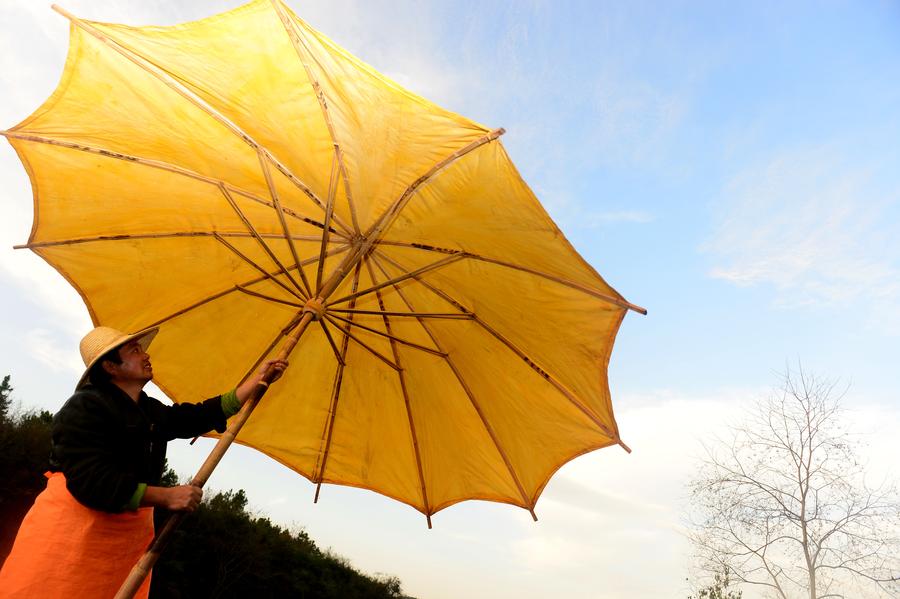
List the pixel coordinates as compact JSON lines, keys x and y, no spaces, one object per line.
{"x":533,"y":515}
{"x":318,"y":488}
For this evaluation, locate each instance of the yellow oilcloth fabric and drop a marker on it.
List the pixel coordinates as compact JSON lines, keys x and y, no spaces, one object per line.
{"x":64,"y":549}
{"x":185,"y":176}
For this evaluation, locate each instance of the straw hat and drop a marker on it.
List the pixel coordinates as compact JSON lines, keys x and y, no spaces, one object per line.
{"x":104,"y":339}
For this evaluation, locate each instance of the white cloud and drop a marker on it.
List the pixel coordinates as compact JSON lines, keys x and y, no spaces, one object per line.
{"x":549,"y":554}
{"x":598,"y":219}
{"x":624,"y":509}
{"x":633,"y":121}
{"x":622,"y":513}
{"x":573,"y":213}
{"x":53,"y":352}
{"x":816,"y":227}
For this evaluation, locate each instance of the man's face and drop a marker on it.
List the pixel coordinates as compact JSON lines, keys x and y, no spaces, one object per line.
{"x":135,"y":366}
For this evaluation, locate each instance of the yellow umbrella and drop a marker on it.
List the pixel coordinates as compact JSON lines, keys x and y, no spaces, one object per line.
{"x":248,"y":185}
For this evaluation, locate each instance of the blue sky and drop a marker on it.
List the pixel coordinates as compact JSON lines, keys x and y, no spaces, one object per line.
{"x":731,"y":167}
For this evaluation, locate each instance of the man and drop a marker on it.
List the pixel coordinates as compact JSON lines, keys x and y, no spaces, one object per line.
{"x":108,"y":448}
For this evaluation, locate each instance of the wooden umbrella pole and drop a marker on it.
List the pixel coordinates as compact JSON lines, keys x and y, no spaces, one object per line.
{"x":142,"y":568}
{"x":312,"y":311}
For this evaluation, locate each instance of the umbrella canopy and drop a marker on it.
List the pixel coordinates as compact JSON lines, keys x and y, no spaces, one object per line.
{"x":221,"y":178}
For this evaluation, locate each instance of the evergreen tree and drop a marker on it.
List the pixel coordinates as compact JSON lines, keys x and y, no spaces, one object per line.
{"x":24,"y":457}
{"x":222,"y":550}
{"x":5,"y":398}
{"x":719,"y":589}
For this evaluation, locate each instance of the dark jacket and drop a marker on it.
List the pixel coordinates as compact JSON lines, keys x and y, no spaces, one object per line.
{"x":105,"y":443}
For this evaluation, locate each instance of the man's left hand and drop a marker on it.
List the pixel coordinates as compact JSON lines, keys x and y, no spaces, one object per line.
{"x":277,"y":366}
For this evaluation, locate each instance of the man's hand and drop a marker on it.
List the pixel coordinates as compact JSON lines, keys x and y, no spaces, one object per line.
{"x":243,"y":392}
{"x":277,"y":367}
{"x":183,"y":498}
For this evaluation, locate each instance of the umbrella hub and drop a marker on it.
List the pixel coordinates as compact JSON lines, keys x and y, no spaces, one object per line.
{"x":316,"y":306}
{"x":357,"y":240}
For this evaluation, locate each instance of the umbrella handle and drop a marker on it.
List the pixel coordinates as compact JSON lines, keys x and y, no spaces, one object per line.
{"x":142,"y":568}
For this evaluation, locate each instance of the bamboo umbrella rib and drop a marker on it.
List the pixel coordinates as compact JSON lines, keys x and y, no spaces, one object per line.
{"x":393,"y":338}
{"x":335,"y":396}
{"x":268,"y":297}
{"x":288,"y":211}
{"x":329,"y":208}
{"x":365,"y":243}
{"x":255,"y":234}
{"x":329,"y":426}
{"x":552,"y":380}
{"x":418,"y":246}
{"x":363,"y":344}
{"x":568,"y":283}
{"x":239,"y":254}
{"x":544,"y":373}
{"x":284,"y":226}
{"x":404,"y":314}
{"x":292,"y":323}
{"x":465,"y":311}
{"x":196,"y":305}
{"x":142,"y":236}
{"x":295,"y":320}
{"x":528,"y":503}
{"x":299,"y":43}
{"x":225,"y":292}
{"x":334,"y":348}
{"x":383,"y":222}
{"x":157,"y":164}
{"x":562,"y":281}
{"x":394,"y":281}
{"x":170,"y":81}
{"x":290,"y":326}
{"x":409,"y":417}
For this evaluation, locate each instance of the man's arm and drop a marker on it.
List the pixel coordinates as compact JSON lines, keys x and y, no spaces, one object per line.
{"x":187,"y":497}
{"x":186,"y":420}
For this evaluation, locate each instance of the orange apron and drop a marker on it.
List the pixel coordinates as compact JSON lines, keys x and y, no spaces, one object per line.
{"x":66,"y":550}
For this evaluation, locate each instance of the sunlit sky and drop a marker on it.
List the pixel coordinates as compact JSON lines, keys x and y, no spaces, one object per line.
{"x":734,"y":168}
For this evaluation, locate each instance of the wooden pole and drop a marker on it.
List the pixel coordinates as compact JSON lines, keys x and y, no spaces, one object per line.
{"x":312,"y":311}
{"x":140,"y":570}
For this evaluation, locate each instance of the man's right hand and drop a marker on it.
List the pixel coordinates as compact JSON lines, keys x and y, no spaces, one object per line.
{"x":183,"y":498}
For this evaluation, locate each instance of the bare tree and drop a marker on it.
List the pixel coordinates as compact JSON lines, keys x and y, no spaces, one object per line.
{"x":784,"y":504}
